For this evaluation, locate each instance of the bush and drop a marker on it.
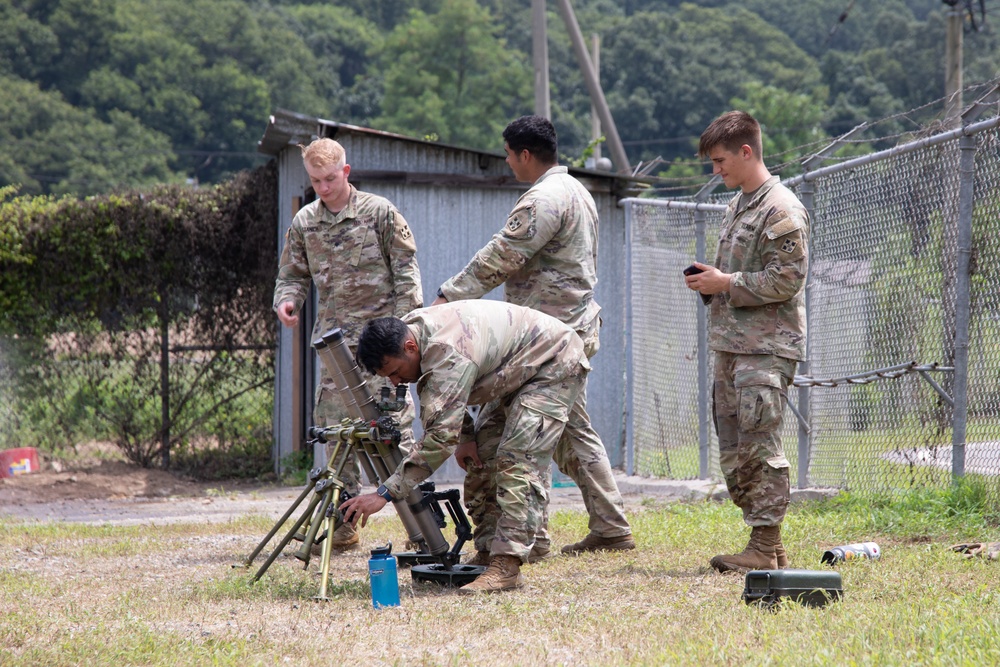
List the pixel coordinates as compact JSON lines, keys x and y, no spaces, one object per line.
{"x":139,"y":317}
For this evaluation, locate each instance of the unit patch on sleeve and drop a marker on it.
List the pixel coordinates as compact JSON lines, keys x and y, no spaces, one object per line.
{"x":789,"y":245}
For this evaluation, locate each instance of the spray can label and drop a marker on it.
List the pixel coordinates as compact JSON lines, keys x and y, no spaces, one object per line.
{"x":861,"y":550}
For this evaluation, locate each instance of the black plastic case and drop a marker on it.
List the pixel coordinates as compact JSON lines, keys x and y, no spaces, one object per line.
{"x":810,"y":587}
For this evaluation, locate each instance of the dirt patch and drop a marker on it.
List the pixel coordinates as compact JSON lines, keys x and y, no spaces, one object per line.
{"x":110,"y":480}
{"x":119,"y":493}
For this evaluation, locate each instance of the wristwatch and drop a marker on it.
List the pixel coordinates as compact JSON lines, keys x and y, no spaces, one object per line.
{"x":384,"y":492}
{"x":441,"y":294}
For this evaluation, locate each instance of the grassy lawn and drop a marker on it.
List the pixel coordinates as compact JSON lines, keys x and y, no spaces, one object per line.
{"x":168,"y":595}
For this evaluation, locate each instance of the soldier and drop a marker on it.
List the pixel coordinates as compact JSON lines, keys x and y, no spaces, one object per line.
{"x":358,"y":250}
{"x":530,"y":365}
{"x":757,"y":328}
{"x":546,"y":258}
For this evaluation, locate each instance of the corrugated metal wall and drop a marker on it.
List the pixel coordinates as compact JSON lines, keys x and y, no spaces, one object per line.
{"x":450,"y":223}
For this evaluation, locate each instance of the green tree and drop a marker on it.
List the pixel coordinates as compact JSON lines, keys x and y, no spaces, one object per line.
{"x":449,"y":75}
{"x":58,"y":148}
{"x":341,"y":44}
{"x":669,"y":74}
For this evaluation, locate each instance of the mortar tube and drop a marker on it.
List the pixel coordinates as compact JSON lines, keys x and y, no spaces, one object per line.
{"x":425,"y":528}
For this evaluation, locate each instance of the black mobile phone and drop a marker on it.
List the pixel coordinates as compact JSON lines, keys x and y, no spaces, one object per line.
{"x":691,"y":270}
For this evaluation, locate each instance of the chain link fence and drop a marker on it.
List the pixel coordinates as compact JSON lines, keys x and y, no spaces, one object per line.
{"x":902,"y":385}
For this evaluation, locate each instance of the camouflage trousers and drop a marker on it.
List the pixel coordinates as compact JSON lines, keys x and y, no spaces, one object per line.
{"x":509,"y":506}
{"x":579,"y":454}
{"x":748,"y":395}
{"x":330,"y":409}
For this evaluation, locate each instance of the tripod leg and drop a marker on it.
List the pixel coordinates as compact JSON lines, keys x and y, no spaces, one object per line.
{"x":328,"y":524}
{"x":324,"y":488}
{"x":302,"y":496}
{"x":288,"y":536}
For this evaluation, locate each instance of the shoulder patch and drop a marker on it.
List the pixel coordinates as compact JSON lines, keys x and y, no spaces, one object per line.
{"x":520,"y":224}
{"x":782,"y":227}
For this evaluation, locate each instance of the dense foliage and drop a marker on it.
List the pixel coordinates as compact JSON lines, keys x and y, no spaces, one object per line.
{"x":111,"y":304}
{"x":100,"y":94}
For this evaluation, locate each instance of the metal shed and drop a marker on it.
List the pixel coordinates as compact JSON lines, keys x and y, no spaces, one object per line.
{"x":454,"y":200}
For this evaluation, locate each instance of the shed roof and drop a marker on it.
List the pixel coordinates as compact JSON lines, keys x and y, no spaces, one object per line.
{"x":288,"y":128}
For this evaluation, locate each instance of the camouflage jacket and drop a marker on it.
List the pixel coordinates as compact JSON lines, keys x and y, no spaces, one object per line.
{"x":765,"y":247}
{"x":546,"y":254}
{"x":363,"y":261}
{"x":472,"y":352}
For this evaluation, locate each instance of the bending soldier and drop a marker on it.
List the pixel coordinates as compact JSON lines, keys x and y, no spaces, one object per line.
{"x":532,"y":366}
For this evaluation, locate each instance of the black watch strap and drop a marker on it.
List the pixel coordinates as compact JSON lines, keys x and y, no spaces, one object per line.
{"x":384,"y":492}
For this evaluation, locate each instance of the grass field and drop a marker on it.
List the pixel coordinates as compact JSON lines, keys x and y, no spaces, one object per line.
{"x":168,"y":595}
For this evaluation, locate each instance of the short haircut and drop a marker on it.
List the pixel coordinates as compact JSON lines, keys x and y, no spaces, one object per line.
{"x":380,"y":338}
{"x":536,"y":134}
{"x":323,"y":153}
{"x":732,"y":130}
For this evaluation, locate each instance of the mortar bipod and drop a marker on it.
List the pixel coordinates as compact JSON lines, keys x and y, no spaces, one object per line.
{"x":327,"y":488}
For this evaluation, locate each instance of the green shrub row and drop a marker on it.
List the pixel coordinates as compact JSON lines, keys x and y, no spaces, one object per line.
{"x":139,"y":317}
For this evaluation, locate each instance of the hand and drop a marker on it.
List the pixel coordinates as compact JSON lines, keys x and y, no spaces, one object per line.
{"x":438,"y":301}
{"x":709,"y":281}
{"x":467,"y":454}
{"x":285,"y":315}
{"x":361,"y":507}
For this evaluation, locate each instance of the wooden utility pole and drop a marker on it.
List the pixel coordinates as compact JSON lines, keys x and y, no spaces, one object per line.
{"x":595,"y":119}
{"x":618,"y":155}
{"x":540,"y":58}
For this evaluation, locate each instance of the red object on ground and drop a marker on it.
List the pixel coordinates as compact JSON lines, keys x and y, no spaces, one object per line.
{"x":18,"y":461}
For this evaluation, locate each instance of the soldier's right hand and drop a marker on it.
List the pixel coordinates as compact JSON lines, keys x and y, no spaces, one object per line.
{"x":467,"y":456}
{"x":284,"y":311}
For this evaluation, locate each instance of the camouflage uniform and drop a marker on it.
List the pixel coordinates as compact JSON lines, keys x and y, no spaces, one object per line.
{"x":546,"y":257}
{"x":364,"y":265}
{"x":531,"y":365}
{"x":758,"y":332}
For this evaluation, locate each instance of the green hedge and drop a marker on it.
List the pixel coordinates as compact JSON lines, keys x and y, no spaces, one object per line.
{"x":107,"y":301}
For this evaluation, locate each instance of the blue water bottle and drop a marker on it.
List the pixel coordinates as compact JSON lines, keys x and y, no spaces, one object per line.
{"x":382,"y":572}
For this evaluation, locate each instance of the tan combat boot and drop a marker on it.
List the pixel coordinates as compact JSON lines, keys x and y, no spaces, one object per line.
{"x":480,"y":558}
{"x":503,"y":574}
{"x":344,"y":537}
{"x":539,"y":552}
{"x":757,"y":555}
{"x":780,"y":557}
{"x":597,"y":543}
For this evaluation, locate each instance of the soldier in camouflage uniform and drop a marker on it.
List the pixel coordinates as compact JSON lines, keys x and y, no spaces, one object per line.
{"x":531,"y":365}
{"x":546,"y":258}
{"x":359,"y":252}
{"x":757,"y":328}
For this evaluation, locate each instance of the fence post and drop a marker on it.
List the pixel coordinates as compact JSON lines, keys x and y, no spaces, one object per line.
{"x":704,"y":408}
{"x":163,"y":314}
{"x":807,"y":195}
{"x":966,"y":186}
{"x":629,"y":364}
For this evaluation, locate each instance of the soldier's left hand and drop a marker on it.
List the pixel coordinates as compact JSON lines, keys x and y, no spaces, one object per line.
{"x":709,"y":281}
{"x":361,"y":507}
